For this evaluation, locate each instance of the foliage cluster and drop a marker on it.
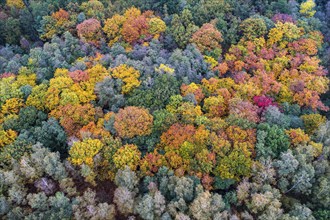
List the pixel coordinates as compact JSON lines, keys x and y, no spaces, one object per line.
{"x":148,"y":109}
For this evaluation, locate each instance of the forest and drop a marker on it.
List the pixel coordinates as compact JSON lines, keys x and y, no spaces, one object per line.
{"x":164,"y":109}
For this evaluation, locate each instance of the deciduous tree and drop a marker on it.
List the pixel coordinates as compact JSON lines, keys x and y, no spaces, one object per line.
{"x":133,"y":121}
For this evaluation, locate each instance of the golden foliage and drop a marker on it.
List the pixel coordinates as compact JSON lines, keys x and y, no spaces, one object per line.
{"x":128,"y":155}
{"x":84,"y":151}
{"x":128,"y":75}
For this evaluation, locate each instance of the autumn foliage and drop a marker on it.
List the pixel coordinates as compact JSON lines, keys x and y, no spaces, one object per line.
{"x":164,"y":109}
{"x":134,"y":26}
{"x":208,"y":39}
{"x":128,"y":75}
{"x":90,"y":30}
{"x":133,"y":121}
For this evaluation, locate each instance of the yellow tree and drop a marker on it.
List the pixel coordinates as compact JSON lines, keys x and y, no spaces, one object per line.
{"x":307,"y":8}
{"x":84,"y":151}
{"x":82,"y":154}
{"x":215,"y":106}
{"x":97,"y":73}
{"x":56,"y":86}
{"x":128,"y":75}
{"x":7,"y":137}
{"x":12,"y":106}
{"x":128,"y":155}
{"x":112,"y":28}
{"x":9,"y":88}
{"x":37,"y":98}
{"x":156,"y":26}
{"x":15,"y":3}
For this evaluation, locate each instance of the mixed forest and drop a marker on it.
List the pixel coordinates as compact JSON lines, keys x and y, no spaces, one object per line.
{"x":165,"y":109}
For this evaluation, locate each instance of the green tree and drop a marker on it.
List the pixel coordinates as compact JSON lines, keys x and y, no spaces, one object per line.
{"x":12,"y":32}
{"x":271,"y":140}
{"x":182,"y":28}
{"x":49,"y":133}
{"x":253,"y":28}
{"x":156,"y":97}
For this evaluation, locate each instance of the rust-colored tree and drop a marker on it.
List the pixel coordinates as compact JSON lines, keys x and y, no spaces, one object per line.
{"x":133,"y":121}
